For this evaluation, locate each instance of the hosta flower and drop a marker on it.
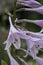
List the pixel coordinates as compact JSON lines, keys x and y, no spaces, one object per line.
{"x":12,"y":60}
{"x":33,"y":51}
{"x":29,"y":33}
{"x":12,"y":37}
{"x":37,"y":22}
{"x":32,"y":40}
{"x":34,"y":34}
{"x":38,"y":9}
{"x":37,"y":42}
{"x":29,"y":3}
{"x":32,"y":44}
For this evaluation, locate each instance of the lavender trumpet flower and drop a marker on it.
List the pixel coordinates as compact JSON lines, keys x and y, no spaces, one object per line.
{"x":33,"y":46}
{"x":32,"y":40}
{"x":37,"y":22}
{"x":32,"y":50}
{"x":38,"y":9}
{"x":29,"y":3}
{"x":12,"y":37}
{"x":33,"y":34}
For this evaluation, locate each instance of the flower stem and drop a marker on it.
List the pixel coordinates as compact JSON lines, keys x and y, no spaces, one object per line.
{"x":14,"y":12}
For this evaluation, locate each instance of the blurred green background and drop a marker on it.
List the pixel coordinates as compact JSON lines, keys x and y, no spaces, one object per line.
{"x":4,"y":29}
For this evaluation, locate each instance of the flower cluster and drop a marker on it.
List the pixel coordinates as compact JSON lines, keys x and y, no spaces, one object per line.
{"x":34,"y":40}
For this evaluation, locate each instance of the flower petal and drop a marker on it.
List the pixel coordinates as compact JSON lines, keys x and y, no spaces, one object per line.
{"x":38,"y":10}
{"x":17,"y":42}
{"x":30,"y":3}
{"x":39,"y":60}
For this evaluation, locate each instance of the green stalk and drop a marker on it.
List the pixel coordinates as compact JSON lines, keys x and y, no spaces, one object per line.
{"x":14,"y":12}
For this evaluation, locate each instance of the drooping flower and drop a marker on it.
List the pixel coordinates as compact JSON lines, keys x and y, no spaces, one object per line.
{"x":32,"y":41}
{"x":34,"y":34}
{"x":29,"y":3}
{"x":37,"y":22}
{"x":12,"y":37}
{"x":30,"y":37}
{"x":33,"y":51}
{"x":32,"y":44}
{"x":38,"y":9}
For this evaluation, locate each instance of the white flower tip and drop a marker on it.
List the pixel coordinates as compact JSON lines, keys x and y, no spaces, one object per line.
{"x":9,"y":18}
{"x":10,"y":21}
{"x":16,"y":20}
